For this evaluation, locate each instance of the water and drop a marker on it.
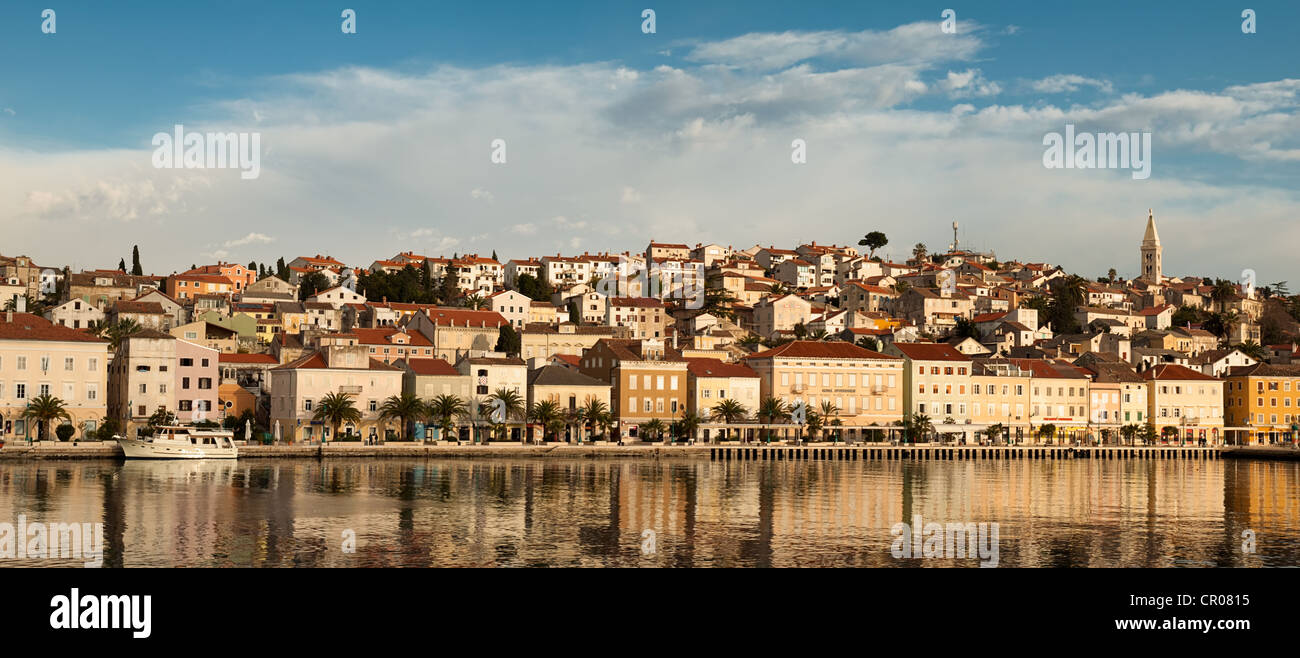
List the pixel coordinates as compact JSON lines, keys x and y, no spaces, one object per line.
{"x":593,"y":512}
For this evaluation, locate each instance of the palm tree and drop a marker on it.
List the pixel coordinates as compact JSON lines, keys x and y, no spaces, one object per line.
{"x":814,"y":422}
{"x":832,"y":411}
{"x":728,"y":411}
{"x":336,"y":409}
{"x":115,"y":332}
{"x":1253,"y":350}
{"x":689,"y":423}
{"x":508,"y":401}
{"x":545,"y":413}
{"x":653,"y":428}
{"x":405,"y":408}
{"x":771,"y":410}
{"x":1130,"y":432}
{"x":750,"y":340}
{"x":475,"y":301}
{"x":919,"y":252}
{"x":919,"y":425}
{"x":994,"y":432}
{"x":590,"y":412}
{"x":1224,"y":291}
{"x":1048,"y":430}
{"x":45,"y":409}
{"x":605,"y":420}
{"x":445,"y":409}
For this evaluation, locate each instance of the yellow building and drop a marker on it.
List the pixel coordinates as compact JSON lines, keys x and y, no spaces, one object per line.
{"x":1189,"y":402}
{"x":1266,"y":398}
{"x":38,"y":357}
{"x":865,"y":386}
{"x":999,"y":395}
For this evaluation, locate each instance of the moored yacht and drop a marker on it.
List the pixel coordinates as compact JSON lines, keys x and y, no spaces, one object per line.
{"x":179,"y":442}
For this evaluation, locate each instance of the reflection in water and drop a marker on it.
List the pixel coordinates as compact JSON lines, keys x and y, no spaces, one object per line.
{"x":592,"y":512}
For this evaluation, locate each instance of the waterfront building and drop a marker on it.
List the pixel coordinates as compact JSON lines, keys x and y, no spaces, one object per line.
{"x":38,"y":357}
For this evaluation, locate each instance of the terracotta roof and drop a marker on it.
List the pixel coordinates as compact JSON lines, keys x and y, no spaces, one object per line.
{"x":431,"y":367}
{"x":384,"y":336}
{"x":718,"y":368}
{"x":26,"y":326}
{"x":1166,"y":371}
{"x":931,"y":352}
{"x":149,"y":308}
{"x":458,"y":317}
{"x":640,"y":302}
{"x":247,"y":358}
{"x":821,"y":350}
{"x":552,"y":375}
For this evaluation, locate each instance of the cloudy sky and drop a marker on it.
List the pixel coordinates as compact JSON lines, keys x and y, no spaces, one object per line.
{"x":380,"y":142}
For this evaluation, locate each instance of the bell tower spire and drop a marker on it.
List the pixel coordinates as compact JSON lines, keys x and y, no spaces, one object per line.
{"x":1151,"y":253}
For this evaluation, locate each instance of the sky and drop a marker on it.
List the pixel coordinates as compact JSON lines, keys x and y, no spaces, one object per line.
{"x":381,"y":141}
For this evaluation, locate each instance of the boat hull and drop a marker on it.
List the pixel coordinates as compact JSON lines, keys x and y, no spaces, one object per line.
{"x":137,"y":449}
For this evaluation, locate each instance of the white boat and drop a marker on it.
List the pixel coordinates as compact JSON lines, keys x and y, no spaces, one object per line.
{"x":178,"y":442}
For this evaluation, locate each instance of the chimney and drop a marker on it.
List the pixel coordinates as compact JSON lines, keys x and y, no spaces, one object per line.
{"x":21,"y":303}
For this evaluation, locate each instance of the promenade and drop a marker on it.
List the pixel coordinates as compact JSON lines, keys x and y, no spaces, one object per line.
{"x":716,"y":452}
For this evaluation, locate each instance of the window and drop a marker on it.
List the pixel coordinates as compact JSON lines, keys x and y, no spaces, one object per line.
{"x":22,"y":363}
{"x":185,"y":383}
{"x":186,"y":363}
{"x":205,"y":382}
{"x":67,"y":364}
{"x":306,"y":405}
{"x":20,"y":391}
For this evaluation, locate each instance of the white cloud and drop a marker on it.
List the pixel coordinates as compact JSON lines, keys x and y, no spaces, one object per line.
{"x":1069,"y":83}
{"x":251,"y":238}
{"x":706,"y":149}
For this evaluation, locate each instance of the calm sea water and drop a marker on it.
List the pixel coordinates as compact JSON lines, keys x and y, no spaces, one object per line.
{"x":461,"y":513}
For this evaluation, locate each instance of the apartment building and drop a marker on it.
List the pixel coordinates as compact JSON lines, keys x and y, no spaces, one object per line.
{"x":644,"y":317}
{"x":866,"y":387}
{"x":1265,"y":398}
{"x":711,"y":381}
{"x":936,"y":381}
{"x":648,"y":381}
{"x":340,"y":365}
{"x":1188,"y":401}
{"x":38,"y":357}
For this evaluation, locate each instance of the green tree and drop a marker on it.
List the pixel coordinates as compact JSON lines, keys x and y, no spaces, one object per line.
{"x":136,"y":269}
{"x":873,"y":241}
{"x":444,"y":410}
{"x":121,"y":265}
{"x":689,"y":424}
{"x":1047,"y":431}
{"x":45,"y":409}
{"x":589,"y":414}
{"x":311,"y":284}
{"x":405,"y":408}
{"x":919,"y":252}
{"x":508,"y":401}
{"x":965,"y":329}
{"x":508,"y":340}
{"x":336,"y":409}
{"x":545,"y":413}
{"x":652,"y":429}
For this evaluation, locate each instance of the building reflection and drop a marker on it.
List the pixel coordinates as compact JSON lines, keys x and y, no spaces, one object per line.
{"x":472,"y":513}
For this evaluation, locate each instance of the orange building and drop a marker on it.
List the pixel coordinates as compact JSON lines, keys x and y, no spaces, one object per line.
{"x":1265,"y":398}
{"x":187,"y":286}
{"x":240,"y":275}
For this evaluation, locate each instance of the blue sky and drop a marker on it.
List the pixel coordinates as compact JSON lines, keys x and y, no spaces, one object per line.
{"x":379,"y":140}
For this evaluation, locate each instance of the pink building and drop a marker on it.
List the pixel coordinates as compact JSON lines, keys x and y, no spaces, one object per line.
{"x":197,"y":379}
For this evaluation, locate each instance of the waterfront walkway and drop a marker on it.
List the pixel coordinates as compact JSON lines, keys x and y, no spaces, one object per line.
{"x":716,"y":452}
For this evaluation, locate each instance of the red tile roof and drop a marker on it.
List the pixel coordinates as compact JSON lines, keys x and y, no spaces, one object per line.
{"x":1173,"y":371}
{"x":436,"y":367}
{"x":384,"y":336}
{"x":820,"y":350}
{"x":718,"y":368}
{"x":931,"y":352}
{"x":247,"y":358}
{"x":26,"y":326}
